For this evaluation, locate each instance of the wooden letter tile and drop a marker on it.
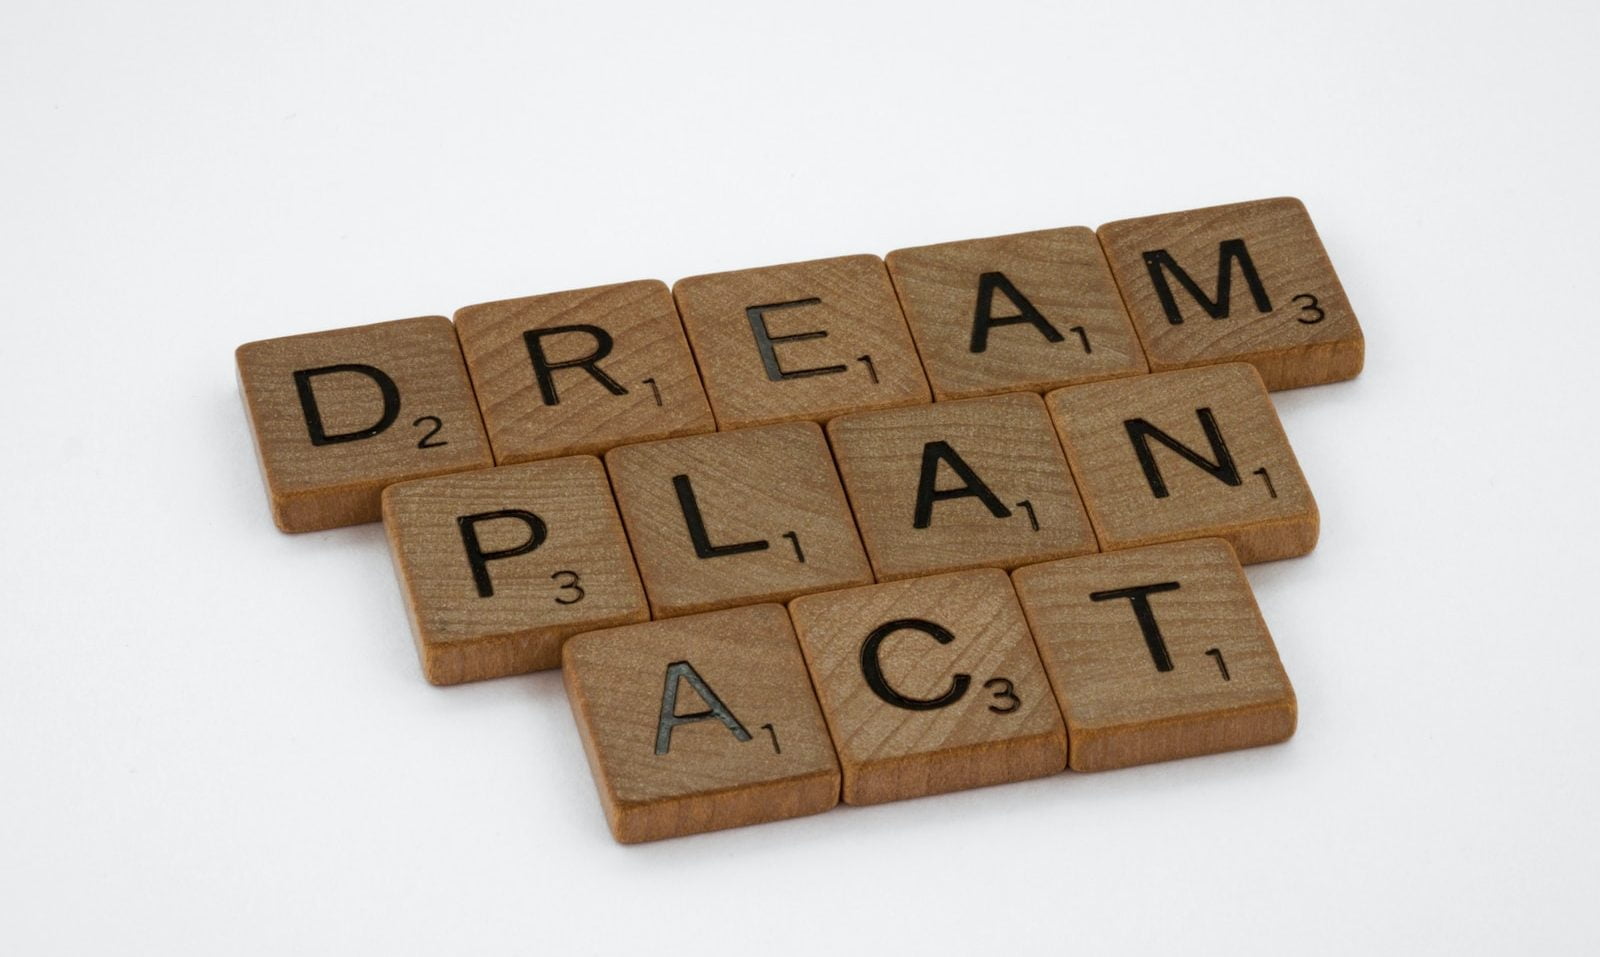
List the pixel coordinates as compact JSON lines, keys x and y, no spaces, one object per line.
{"x":1249,"y":282}
{"x":802,"y":341}
{"x":582,"y":371}
{"x":965,"y":484}
{"x":499,"y":566}
{"x":1192,"y":454}
{"x":700,"y":723}
{"x":930,"y":685}
{"x":338,"y":415}
{"x":1157,"y":653}
{"x":1032,"y":311}
{"x":736,"y":517}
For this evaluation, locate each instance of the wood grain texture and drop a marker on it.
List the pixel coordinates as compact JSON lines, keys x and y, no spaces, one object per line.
{"x":1001,"y":722}
{"x":630,"y":334}
{"x":751,"y":487}
{"x":1020,"y":504}
{"x":1250,"y":491}
{"x":1046,"y":310}
{"x":1306,"y":335}
{"x":1212,"y":682}
{"x":578,"y":576}
{"x":773,"y":761}
{"x":324,"y":480}
{"x":835,"y":310}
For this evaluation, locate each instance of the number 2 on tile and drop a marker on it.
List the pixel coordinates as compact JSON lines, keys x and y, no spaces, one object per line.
{"x":424,"y":442}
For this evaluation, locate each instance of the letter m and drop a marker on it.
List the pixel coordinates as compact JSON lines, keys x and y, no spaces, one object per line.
{"x":1230,"y":252}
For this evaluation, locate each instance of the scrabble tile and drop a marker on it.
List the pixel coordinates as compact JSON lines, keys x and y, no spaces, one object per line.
{"x":1026,"y":312}
{"x":1156,"y":653}
{"x":582,"y":371}
{"x":1248,"y":282}
{"x":700,"y":723}
{"x":499,"y":566}
{"x":338,"y":415}
{"x":737,"y":517}
{"x":930,"y":685}
{"x":801,"y":341}
{"x":1192,"y":454}
{"x":964,"y":484}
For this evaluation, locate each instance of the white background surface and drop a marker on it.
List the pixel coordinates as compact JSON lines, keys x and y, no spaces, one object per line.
{"x":215,"y":738}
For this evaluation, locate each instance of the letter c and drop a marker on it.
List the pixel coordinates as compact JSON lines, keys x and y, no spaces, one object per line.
{"x":872,"y":670}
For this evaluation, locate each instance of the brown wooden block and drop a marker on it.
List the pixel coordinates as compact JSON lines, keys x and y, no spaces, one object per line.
{"x":1192,"y":454}
{"x":735,"y":518}
{"x":1248,"y":282}
{"x":930,"y":685}
{"x":964,"y":484}
{"x":805,"y":340}
{"x":1030,"y":311}
{"x":500,"y":566}
{"x":1157,"y":653}
{"x":338,"y":415}
{"x":582,"y":371}
{"x":700,"y":723}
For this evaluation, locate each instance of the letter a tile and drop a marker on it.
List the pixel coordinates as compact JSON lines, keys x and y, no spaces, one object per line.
{"x":700,"y":723}
{"x":582,"y":371}
{"x":1157,"y":653}
{"x":1192,"y":454}
{"x":801,"y":341}
{"x":964,"y":484}
{"x":500,"y":566}
{"x":1249,"y":282}
{"x":1031,"y":311}
{"x":338,"y":415}
{"x":930,"y":685}
{"x":736,"y":517}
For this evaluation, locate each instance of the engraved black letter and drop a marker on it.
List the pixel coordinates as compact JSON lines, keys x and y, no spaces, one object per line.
{"x":308,"y":402}
{"x":873,"y":670}
{"x":697,"y":525}
{"x":932,"y":454}
{"x":543,"y":367}
{"x":1159,"y":262}
{"x":480,"y":559}
{"x":1141,"y":432}
{"x":765,"y":341}
{"x":1139,"y":596}
{"x":670,"y":718}
{"x":983,"y":318}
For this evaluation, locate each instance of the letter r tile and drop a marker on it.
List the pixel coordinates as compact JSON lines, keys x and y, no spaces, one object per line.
{"x":699,"y":723}
{"x":1157,"y":653}
{"x":499,"y":566}
{"x":736,"y":517}
{"x":930,"y":685}
{"x":581,"y":371}
{"x":805,"y":340}
{"x":338,"y":415}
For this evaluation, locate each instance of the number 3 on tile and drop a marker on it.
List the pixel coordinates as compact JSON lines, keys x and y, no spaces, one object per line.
{"x":1007,"y":693}
{"x":571,"y":591}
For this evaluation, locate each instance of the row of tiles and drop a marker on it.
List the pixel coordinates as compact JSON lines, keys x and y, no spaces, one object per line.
{"x":499,"y":566}
{"x":340,"y":414}
{"x":923,"y":686}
